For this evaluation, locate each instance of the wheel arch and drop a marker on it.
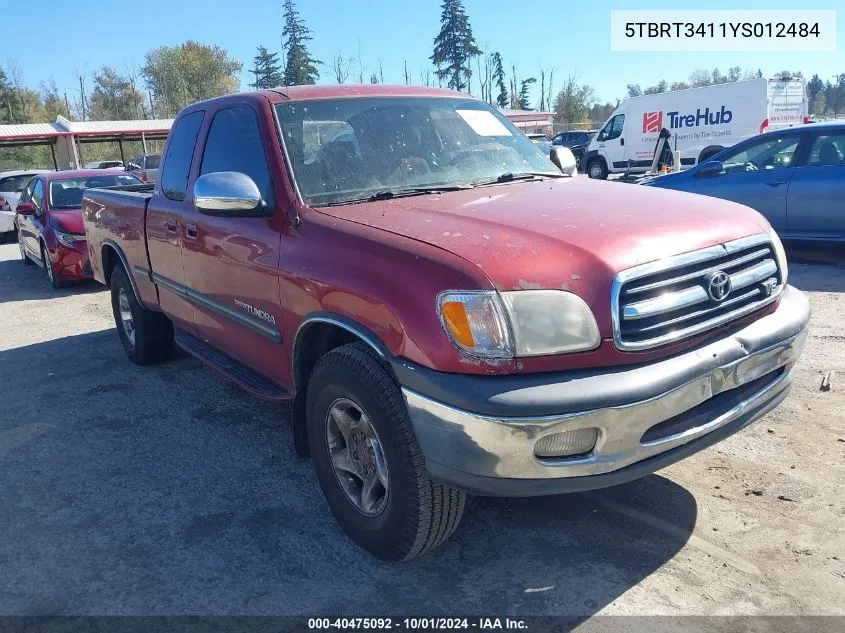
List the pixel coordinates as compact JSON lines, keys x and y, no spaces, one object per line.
{"x":321,"y":332}
{"x":318,"y":334}
{"x":110,"y":255}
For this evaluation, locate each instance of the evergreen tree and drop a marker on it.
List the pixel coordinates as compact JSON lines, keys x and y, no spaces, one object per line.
{"x":523,"y":93}
{"x":300,"y":67}
{"x":454,"y":46}
{"x":267,"y":70}
{"x":503,"y":98}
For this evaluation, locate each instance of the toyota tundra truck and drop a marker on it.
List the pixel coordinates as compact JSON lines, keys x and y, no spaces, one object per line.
{"x":446,"y":310}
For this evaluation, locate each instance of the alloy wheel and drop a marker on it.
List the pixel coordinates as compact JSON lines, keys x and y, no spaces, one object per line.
{"x":48,"y":266}
{"x":357,"y":457}
{"x":126,"y":320}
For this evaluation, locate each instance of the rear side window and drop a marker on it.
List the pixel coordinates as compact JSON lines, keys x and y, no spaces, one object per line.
{"x":827,"y":150}
{"x":152,"y":161}
{"x":180,"y":150}
{"x":234,"y":144}
{"x":14,"y":183}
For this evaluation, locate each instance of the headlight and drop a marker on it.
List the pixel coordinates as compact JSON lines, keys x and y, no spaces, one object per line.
{"x":550,"y":322}
{"x":475,"y":323}
{"x":68,"y":239}
{"x":519,"y":323}
{"x":780,"y":253}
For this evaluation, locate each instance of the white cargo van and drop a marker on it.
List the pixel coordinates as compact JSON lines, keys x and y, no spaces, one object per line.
{"x":701,"y":121}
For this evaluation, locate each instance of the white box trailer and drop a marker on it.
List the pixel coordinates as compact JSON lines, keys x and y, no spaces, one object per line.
{"x":701,"y":121}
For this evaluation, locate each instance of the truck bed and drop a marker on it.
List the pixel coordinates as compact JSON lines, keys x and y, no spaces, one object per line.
{"x":116,"y":217}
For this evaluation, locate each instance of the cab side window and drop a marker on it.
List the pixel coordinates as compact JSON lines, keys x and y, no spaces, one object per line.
{"x":613,"y":128}
{"x":180,"y":152}
{"x":234,"y":144}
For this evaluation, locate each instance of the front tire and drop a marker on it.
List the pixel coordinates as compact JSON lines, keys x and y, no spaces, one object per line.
{"x":147,"y":336}
{"x":55,"y":279}
{"x":597,"y":170}
{"x":368,"y":461}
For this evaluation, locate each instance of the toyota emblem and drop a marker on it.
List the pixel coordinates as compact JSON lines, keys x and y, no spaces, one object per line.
{"x":718,"y":285}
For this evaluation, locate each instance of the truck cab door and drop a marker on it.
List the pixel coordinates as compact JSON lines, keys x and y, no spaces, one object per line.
{"x":610,"y":143}
{"x":757,"y":173}
{"x":232,"y":263}
{"x":166,"y":220}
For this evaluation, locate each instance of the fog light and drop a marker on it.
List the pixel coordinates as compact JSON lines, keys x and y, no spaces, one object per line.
{"x":567,"y":443}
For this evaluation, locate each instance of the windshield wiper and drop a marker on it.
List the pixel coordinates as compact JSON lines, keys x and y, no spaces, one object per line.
{"x":388,"y":194}
{"x":511,"y":176}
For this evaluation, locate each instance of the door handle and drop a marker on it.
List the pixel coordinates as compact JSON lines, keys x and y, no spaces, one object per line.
{"x":191,"y":230}
{"x":622,"y":141}
{"x":170,"y":224}
{"x":776,"y":183}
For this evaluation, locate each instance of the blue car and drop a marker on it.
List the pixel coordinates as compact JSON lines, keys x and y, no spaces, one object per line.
{"x":795,"y":177}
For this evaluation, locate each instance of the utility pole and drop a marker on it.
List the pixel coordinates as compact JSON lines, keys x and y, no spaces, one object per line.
{"x":82,"y":95}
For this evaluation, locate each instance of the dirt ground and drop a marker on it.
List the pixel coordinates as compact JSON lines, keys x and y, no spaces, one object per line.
{"x":127,"y":490}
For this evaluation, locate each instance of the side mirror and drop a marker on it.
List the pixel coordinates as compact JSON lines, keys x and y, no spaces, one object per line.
{"x":25,"y":208}
{"x":710,"y":168}
{"x":228,"y":193}
{"x":564,"y":159}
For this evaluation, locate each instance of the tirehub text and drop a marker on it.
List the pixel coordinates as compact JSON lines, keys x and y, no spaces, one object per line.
{"x":701,"y":117}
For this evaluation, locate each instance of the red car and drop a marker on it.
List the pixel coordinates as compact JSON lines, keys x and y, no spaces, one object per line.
{"x":49,"y":221}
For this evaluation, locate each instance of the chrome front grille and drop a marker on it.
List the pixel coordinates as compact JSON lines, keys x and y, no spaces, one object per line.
{"x":682,"y":296}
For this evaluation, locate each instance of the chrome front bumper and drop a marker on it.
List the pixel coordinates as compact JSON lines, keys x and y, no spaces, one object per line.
{"x":736,"y":380}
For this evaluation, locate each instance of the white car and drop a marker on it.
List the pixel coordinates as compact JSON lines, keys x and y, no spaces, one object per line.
{"x":11,"y":185}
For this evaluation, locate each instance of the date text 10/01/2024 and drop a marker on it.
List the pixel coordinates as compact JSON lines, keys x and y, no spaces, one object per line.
{"x":723,"y":29}
{"x":416,"y":624}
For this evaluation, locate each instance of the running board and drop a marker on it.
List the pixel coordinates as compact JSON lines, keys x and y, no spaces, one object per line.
{"x":232,"y":369}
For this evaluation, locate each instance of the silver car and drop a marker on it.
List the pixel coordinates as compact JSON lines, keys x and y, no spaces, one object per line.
{"x":145,"y":166}
{"x":12,"y":184}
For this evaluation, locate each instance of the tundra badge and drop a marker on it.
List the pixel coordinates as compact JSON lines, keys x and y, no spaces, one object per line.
{"x":261,"y":314}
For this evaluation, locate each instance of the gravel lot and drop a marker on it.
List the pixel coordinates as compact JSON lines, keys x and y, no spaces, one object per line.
{"x":166,"y":490}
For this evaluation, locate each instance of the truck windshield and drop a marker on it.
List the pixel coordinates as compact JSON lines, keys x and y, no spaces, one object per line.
{"x":349,"y":149}
{"x":67,"y":193}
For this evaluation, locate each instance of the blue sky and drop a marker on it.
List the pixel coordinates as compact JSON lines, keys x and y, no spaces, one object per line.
{"x":572,"y":37}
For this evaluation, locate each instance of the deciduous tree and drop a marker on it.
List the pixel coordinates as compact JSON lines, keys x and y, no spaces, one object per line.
{"x":179,"y":75}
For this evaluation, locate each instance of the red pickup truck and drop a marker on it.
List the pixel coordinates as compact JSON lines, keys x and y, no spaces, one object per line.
{"x":446,"y":310}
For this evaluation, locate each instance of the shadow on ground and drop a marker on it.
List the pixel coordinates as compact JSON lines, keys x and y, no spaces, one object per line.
{"x":129,"y":490}
{"x":817,"y":269}
{"x":29,"y":283}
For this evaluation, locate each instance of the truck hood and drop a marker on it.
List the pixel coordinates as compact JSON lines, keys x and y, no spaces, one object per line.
{"x":570,"y":233}
{"x":69,"y":221}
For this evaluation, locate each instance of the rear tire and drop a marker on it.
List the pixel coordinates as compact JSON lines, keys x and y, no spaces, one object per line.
{"x":596,"y":169}
{"x":147,"y":336}
{"x":409,"y":514}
